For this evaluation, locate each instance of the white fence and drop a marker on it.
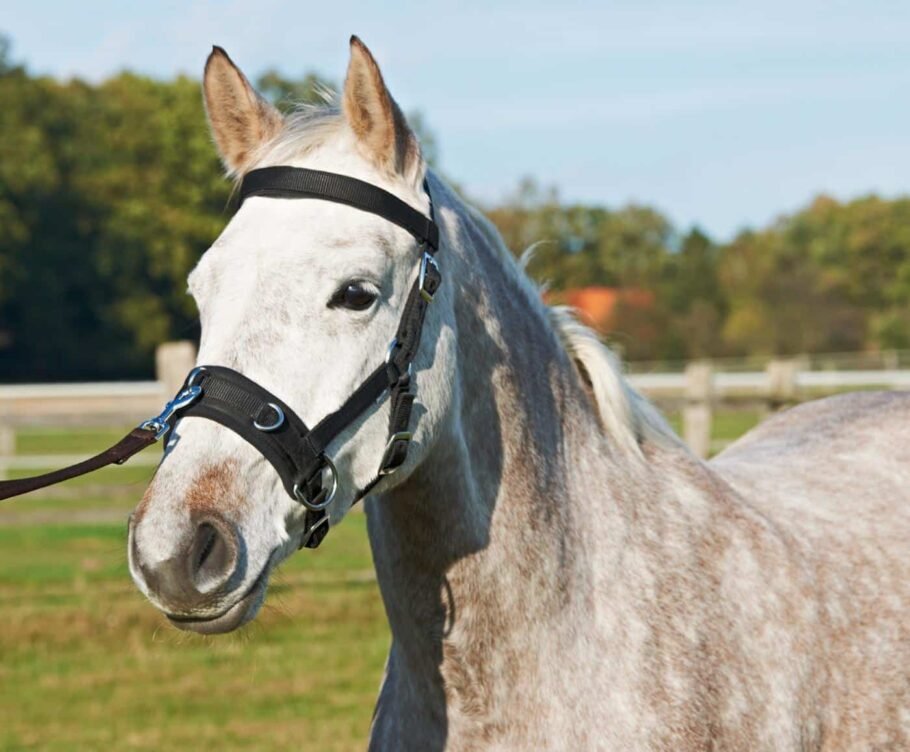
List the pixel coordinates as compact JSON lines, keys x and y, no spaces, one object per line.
{"x":700,"y":389}
{"x":697,"y":392}
{"x":756,"y":383}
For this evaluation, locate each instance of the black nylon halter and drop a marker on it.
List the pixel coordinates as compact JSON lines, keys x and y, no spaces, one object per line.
{"x":295,"y":451}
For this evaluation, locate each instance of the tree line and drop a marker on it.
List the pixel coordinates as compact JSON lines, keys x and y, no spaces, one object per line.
{"x":110,"y":192}
{"x":830,"y":277}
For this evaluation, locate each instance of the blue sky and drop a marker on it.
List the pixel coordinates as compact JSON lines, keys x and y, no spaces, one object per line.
{"x":723,"y":114}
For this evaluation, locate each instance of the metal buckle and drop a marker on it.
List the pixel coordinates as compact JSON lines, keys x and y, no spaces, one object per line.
{"x":392,"y":345}
{"x":425,"y":261}
{"x":323,"y":498}
{"x":311,"y":532}
{"x":388,"y":355}
{"x":279,"y":421}
{"x":161,"y":423}
{"x":384,"y":469}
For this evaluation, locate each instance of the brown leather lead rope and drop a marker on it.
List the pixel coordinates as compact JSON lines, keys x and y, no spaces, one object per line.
{"x":134,"y":442}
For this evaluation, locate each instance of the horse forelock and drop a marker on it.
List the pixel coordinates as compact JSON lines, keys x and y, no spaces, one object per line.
{"x":306,"y":128}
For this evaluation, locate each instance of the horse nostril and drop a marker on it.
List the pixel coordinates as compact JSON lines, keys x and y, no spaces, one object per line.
{"x":213,"y":556}
{"x":206,"y":563}
{"x":207,"y":536}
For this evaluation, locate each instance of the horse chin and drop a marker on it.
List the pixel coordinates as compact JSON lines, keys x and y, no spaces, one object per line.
{"x":242,"y":612}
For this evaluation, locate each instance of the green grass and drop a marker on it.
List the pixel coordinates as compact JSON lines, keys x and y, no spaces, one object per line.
{"x":727,"y":425}
{"x":88,"y":664}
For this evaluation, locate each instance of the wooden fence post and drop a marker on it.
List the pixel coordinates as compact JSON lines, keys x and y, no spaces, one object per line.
{"x":697,"y":415}
{"x":7,"y":447}
{"x":782,"y":382}
{"x":173,"y":361}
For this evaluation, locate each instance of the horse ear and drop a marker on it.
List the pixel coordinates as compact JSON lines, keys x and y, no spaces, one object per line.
{"x":239,"y":118}
{"x":379,"y":125}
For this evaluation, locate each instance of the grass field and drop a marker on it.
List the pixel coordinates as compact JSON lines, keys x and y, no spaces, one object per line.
{"x":87,"y":664}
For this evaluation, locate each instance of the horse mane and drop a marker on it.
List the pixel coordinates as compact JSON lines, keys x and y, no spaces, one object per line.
{"x":625,"y":415}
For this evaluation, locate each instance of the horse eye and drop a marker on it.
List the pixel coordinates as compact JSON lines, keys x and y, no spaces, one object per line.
{"x":353,"y":296}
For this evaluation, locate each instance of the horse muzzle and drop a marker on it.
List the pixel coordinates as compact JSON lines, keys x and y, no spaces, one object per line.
{"x":199,"y":582}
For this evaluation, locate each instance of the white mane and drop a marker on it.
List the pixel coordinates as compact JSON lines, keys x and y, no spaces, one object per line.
{"x":625,"y":415}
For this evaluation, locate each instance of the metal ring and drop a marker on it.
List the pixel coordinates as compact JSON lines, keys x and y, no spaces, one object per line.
{"x":319,"y":505}
{"x":273,"y":426}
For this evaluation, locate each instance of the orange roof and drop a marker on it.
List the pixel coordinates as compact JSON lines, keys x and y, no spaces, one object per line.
{"x":598,"y":304}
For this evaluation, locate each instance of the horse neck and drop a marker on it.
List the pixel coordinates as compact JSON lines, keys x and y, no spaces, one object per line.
{"x":492,"y":539}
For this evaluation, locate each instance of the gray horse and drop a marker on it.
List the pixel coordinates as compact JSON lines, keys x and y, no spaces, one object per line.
{"x":558,"y":570}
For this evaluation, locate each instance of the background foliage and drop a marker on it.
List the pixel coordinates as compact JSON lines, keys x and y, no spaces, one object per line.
{"x":109,"y":194}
